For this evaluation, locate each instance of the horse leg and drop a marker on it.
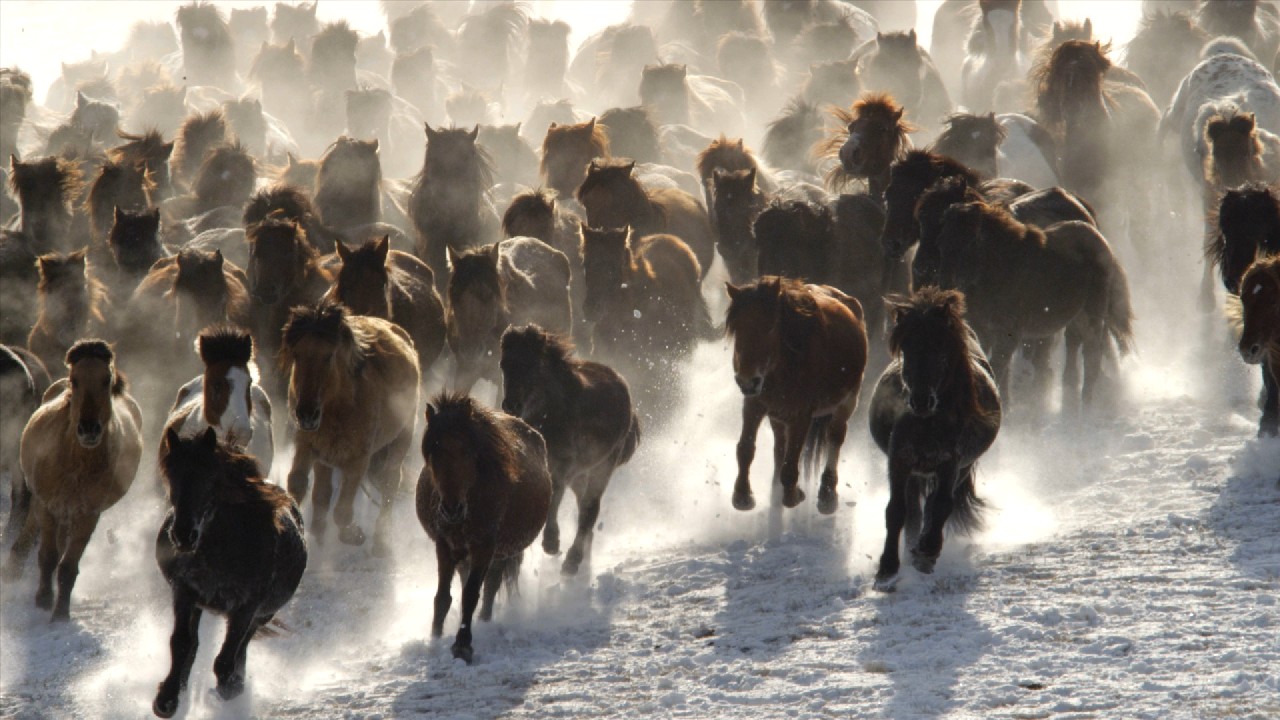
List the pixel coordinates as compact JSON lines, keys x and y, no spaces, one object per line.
{"x":895,"y":514}
{"x":226,"y":666}
{"x":937,"y":508}
{"x":445,"y":565}
{"x":752,"y":415}
{"x":321,"y":500}
{"x":1270,"y":423}
{"x":1073,"y":337}
{"x":183,"y":644}
{"x":913,"y":510}
{"x":588,"y":512}
{"x":78,"y":533}
{"x":300,"y":472}
{"x":23,"y":510}
{"x":1002,"y":350}
{"x":47,"y":559}
{"x":1095,"y":340}
{"x":1040,"y":351}
{"x":481,"y":558}
{"x":391,"y":478}
{"x":796,"y":434}
{"x":551,"y":531}
{"x":837,"y":428}
{"x":492,"y":582}
{"x":344,"y":512}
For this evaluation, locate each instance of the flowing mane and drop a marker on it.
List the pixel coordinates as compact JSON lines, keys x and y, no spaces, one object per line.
{"x":329,"y":321}
{"x":493,"y":446}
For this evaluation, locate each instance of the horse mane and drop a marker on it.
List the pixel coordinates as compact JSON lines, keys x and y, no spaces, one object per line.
{"x":149,"y":144}
{"x":289,"y":200}
{"x":225,"y":344}
{"x":330,"y":321}
{"x":539,"y":201}
{"x":478,"y":176}
{"x":997,"y":221}
{"x":494,"y":446}
{"x":95,"y":292}
{"x":112,"y":171}
{"x":238,"y":480}
{"x":95,"y":349}
{"x":277,"y":224}
{"x":1233,"y":203}
{"x":1226,"y":45}
{"x":464,"y":275}
{"x":598,"y":139}
{"x":950,"y":306}
{"x":608,"y":170}
{"x":939,"y":165}
{"x":198,"y":134}
{"x":727,"y":154}
{"x":867,"y":105}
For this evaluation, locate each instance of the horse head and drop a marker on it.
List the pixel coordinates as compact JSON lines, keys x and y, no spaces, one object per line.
{"x":528,"y":355}
{"x":191,"y":466}
{"x":876,"y":136}
{"x":323,"y":355}
{"x":364,"y":280}
{"x":94,"y":382}
{"x":227,"y":383}
{"x":279,"y":254}
{"x":930,"y":338}
{"x":1260,"y":303}
{"x":606,"y":263}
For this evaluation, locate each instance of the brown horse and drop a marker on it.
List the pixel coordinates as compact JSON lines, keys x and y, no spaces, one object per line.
{"x":46,"y":189}
{"x":482,"y":498}
{"x":1239,"y":152}
{"x":119,"y":186}
{"x":566,"y":152}
{"x":449,"y":203}
{"x":134,"y":241}
{"x":197,"y":137}
{"x":1260,"y":332}
{"x":71,"y":303}
{"x":583,"y":409}
{"x":1023,"y":282}
{"x":799,"y":352}
{"x":154,"y":153}
{"x":614,"y":198}
{"x":870,"y":137}
{"x":80,"y":452}
{"x":377,"y":281}
{"x":516,"y":281}
{"x":348,"y":184}
{"x":353,"y":391}
{"x":643,"y":293}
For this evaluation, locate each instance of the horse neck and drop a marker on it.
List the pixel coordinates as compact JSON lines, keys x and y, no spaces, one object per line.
{"x":1003,"y":241}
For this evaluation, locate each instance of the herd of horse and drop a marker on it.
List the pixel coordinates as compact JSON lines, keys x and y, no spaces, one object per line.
{"x":269,"y":211}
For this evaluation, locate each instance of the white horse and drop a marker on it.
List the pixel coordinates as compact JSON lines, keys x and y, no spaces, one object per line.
{"x":226,"y":397}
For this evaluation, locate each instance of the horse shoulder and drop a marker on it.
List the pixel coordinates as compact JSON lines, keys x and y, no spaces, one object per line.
{"x":57,"y":388}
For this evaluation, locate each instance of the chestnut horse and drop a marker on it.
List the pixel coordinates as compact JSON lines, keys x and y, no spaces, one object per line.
{"x":1260,"y":333}
{"x":482,"y":498}
{"x":934,"y":412}
{"x":799,"y":352}
{"x":353,"y":390}
{"x":80,"y":452}
{"x":566,"y":152}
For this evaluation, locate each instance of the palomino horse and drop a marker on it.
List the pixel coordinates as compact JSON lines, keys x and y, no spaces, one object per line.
{"x":583,"y":410}
{"x":230,"y":543}
{"x":799,"y":352}
{"x":1260,"y":333}
{"x":80,"y":452}
{"x":353,"y":390}
{"x":482,"y":498}
{"x":226,"y":397}
{"x":934,"y":412}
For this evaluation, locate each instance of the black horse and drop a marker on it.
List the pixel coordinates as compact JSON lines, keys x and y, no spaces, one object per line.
{"x":934,"y":412}
{"x":231,"y":543}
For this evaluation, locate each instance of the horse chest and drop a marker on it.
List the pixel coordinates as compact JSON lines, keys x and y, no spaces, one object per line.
{"x":80,"y":482}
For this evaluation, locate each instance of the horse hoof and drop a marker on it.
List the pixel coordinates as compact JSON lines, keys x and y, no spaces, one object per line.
{"x":351,"y":535}
{"x":550,"y":545}
{"x":792,"y":496}
{"x":827,"y":501}
{"x":44,"y":598}
{"x":465,"y":653}
{"x":570,"y":567}
{"x":923,"y":563}
{"x":886,"y":584}
{"x":744,"y":501}
{"x":165,"y":707}
{"x":61,"y":615}
{"x":231,"y":689}
{"x":381,"y":548}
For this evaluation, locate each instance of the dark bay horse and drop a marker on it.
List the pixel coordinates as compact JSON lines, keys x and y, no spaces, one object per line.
{"x":482,"y":498}
{"x":1260,"y":333}
{"x":799,"y":352}
{"x":934,"y":412}
{"x":449,"y":203}
{"x":230,"y":543}
{"x":80,"y":452}
{"x":353,"y":391}
{"x":584,"y":412}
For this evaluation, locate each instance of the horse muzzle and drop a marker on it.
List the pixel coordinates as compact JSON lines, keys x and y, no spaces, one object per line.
{"x":852,"y":159}
{"x":751,"y":386}
{"x":922,"y":405}
{"x":185,"y":540}
{"x":308,"y":420}
{"x":452,"y":513}
{"x":89,"y":433}
{"x":1253,"y":353}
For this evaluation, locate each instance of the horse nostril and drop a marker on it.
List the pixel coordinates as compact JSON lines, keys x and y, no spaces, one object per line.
{"x":749,"y":386}
{"x":89,"y":427}
{"x":933,"y":402}
{"x":452,"y":512}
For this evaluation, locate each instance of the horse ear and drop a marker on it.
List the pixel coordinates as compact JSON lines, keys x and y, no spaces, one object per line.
{"x":431,"y":412}
{"x":78,"y":256}
{"x":343,"y":252}
{"x":898,"y":115}
{"x":171,"y":436}
{"x":751,"y":176}
{"x":217,"y":257}
{"x":591,"y":125}
{"x":13,"y":162}
{"x":741,"y":144}
{"x":553,"y":125}
{"x":732,"y":289}
{"x":1088,"y":27}
{"x":450,"y":257}
{"x":475,"y":133}
{"x":81,"y":100}
{"x":116,"y":213}
{"x":290,"y":160}
{"x":430,"y":133}
{"x":630,"y":166}
{"x":209,"y":438}
{"x":912,"y":35}
{"x":684,"y":70}
{"x":374,"y":142}
{"x":879,"y":36}
{"x":493,"y":251}
{"x":1057,"y":29}
{"x":383,"y":249}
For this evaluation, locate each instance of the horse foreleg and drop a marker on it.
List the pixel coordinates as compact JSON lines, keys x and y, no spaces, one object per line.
{"x":321,"y":500}
{"x":183,"y":644}
{"x":24,"y":522}
{"x":1002,"y":349}
{"x":1270,"y":423}
{"x":391,"y":477}
{"x":445,"y":565}
{"x":551,"y":531}
{"x":344,"y":511}
{"x":588,"y":512}
{"x":796,"y":433}
{"x":937,"y":508}
{"x":752,"y":415}
{"x":1095,"y":347}
{"x":227,"y":667}
{"x":480,"y":558}
{"x":837,"y":429}
{"x":47,"y":558}
{"x":895,"y":514}
{"x":72,"y":549}
{"x":492,"y":583}
{"x":300,"y":472}
{"x":1073,"y":337}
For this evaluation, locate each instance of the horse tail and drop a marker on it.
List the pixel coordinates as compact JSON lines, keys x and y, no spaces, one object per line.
{"x":631,"y":442}
{"x":815,"y":445}
{"x":1119,"y":318}
{"x":967,"y":508}
{"x":275,"y":627}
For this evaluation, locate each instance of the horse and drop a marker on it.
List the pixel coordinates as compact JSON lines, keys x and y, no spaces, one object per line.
{"x":154,"y":153}
{"x":482,"y":498}
{"x":790,"y":135}
{"x":79,"y":454}
{"x":98,"y":117}
{"x":1009,"y":145}
{"x":208,"y":51}
{"x":567,"y":150}
{"x":353,"y":391}
{"x":699,"y":101}
{"x":799,"y":352}
{"x":162,"y":107}
{"x":227,"y":178}
{"x":1104,"y":130}
{"x":934,"y":412}
{"x":894,"y":63}
{"x":278,"y":70}
{"x":23,"y":382}
{"x":515,"y":281}
{"x":994,"y":53}
{"x":198,"y":136}
{"x":46,"y":188}
{"x":71,"y":301}
{"x":489,"y":40}
{"x":547,"y":60}
{"x":247,"y":123}
{"x":735,"y":201}
{"x":15,"y":95}
{"x":796,"y":239}
{"x":614,"y":198}
{"x":226,"y":397}
{"x":514,"y":160}
{"x":1256,"y":23}
{"x":584,"y":412}
{"x":725,"y":154}
{"x":1245,"y":228}
{"x":871,"y":136}
{"x":643,"y":293}
{"x":1238,"y":152}
{"x":230,"y":543}
{"x":118,"y":186}
{"x":293,"y":23}
{"x":832,"y":82}
{"x":449,"y":202}
{"x":348,"y":184}
{"x":1023,"y":282}
{"x":377,"y":281}
{"x":1259,"y":325}
{"x":1164,"y":49}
